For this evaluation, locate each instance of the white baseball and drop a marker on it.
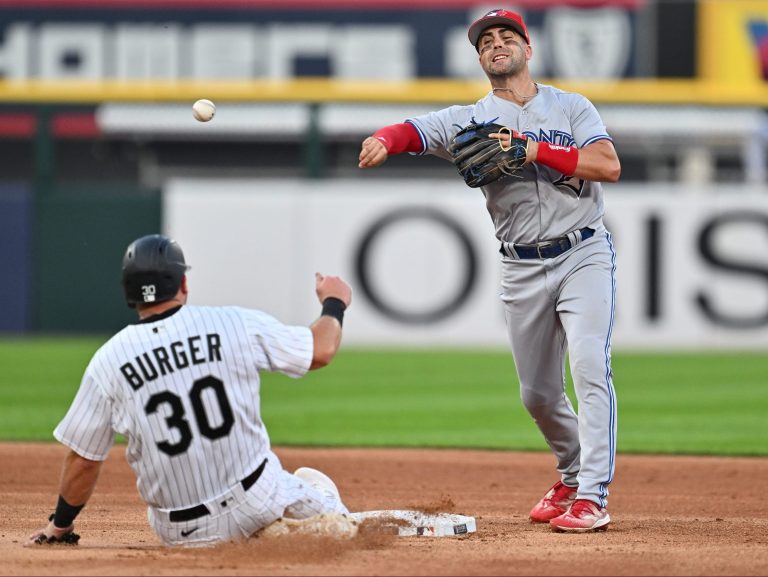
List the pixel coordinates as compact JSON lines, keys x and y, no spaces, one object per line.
{"x":203,"y":110}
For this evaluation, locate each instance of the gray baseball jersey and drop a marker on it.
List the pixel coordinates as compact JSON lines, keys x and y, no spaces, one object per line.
{"x":184,"y":390}
{"x":541,"y":203}
{"x":559,"y":304}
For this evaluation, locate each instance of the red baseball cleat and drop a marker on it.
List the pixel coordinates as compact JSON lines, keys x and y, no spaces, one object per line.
{"x":584,"y":515}
{"x":554,"y":503}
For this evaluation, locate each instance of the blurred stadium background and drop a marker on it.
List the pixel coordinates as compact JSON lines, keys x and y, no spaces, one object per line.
{"x":98,"y":146}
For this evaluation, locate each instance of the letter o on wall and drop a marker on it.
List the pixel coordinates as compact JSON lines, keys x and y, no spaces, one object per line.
{"x":366,"y":256}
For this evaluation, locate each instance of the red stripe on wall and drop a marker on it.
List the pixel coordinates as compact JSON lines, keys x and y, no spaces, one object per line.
{"x":305,"y":4}
{"x":63,"y":125}
{"x":17,"y":125}
{"x":75,"y":125}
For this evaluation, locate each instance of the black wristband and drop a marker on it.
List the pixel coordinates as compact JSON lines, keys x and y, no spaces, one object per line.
{"x":333,"y":307}
{"x":65,"y":513}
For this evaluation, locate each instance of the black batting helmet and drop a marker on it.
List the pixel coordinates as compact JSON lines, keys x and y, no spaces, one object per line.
{"x":153,"y":267}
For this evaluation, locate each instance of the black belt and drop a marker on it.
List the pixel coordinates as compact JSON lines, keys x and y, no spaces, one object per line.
{"x":201,"y":510}
{"x":548,"y":249}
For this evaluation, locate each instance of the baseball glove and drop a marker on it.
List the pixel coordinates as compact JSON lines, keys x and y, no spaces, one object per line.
{"x":481,"y":159}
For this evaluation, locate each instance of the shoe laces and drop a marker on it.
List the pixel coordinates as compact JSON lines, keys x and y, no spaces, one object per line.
{"x":582,"y":507}
{"x":561,"y":492}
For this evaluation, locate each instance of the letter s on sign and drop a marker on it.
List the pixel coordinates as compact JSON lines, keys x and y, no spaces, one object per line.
{"x":709,"y":254}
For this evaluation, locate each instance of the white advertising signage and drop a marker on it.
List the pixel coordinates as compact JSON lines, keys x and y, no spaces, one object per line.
{"x":421,"y":256}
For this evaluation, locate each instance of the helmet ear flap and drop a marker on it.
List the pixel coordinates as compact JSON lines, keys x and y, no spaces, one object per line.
{"x":153,"y":269}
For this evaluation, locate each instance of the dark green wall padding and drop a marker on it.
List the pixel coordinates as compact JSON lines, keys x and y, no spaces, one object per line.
{"x":80,"y":240}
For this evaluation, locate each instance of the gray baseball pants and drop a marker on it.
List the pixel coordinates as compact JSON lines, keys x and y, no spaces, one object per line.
{"x":558,"y":307}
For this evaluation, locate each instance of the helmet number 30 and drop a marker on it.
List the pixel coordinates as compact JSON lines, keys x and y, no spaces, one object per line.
{"x":148,"y":292}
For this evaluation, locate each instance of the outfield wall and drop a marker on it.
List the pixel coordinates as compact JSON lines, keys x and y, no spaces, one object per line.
{"x":692,"y":265}
{"x":80,"y":236}
{"x":15,"y":253}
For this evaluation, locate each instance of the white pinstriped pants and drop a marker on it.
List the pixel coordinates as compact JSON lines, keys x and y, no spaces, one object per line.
{"x":237,"y":514}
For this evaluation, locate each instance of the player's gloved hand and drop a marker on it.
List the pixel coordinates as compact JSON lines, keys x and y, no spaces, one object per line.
{"x":484,"y":152}
{"x":507,"y":137}
{"x":52,"y":535}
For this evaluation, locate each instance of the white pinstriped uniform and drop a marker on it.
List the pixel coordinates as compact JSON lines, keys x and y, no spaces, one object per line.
{"x":556,"y":305}
{"x":183,"y":389}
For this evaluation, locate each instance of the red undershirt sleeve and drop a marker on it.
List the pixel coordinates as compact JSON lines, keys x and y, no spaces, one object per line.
{"x":399,"y":138}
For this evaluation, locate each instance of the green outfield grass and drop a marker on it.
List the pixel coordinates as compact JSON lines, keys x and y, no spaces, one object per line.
{"x":713,"y":403}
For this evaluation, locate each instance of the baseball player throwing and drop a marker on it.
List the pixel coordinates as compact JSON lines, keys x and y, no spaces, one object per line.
{"x":558,"y":260}
{"x":182,"y":386}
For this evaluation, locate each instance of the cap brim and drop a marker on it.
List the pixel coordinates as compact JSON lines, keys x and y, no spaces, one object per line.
{"x":477,"y":28}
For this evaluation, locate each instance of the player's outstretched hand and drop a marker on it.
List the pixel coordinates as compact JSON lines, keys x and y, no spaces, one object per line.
{"x":373,"y":153}
{"x":52,"y":535}
{"x":332,"y":286}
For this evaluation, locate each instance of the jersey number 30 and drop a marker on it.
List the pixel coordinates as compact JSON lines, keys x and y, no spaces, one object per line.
{"x":177,"y":419}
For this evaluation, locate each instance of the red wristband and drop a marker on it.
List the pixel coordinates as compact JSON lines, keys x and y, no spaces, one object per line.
{"x":399,"y":138}
{"x":562,"y":158}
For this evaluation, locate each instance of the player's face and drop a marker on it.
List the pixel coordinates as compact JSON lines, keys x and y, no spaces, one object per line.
{"x":502,"y":51}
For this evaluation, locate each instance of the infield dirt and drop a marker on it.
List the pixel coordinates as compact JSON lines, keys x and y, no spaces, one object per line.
{"x":671,"y":516}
